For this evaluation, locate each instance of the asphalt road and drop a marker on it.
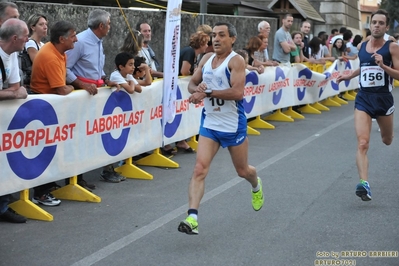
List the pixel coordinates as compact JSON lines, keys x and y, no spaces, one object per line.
{"x":311,"y":214}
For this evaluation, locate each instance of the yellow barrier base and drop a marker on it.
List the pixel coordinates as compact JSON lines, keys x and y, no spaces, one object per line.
{"x":75,"y":192}
{"x":158,"y":160}
{"x":339,"y":100}
{"x":290,"y":112}
{"x":131,"y":171}
{"x":353,"y":93}
{"x":320,"y":107}
{"x":279,"y":116}
{"x":27,"y":208}
{"x":259,"y":123}
{"x":193,"y":143}
{"x":251,"y":131}
{"x":330,"y":102}
{"x":347,"y":96}
{"x":307,"y":109}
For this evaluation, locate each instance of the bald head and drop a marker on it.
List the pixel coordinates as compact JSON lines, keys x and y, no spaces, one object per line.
{"x":264,"y":28}
{"x":14,"y":34}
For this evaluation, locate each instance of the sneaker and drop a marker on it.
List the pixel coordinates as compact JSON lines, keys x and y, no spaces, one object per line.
{"x":84,"y":184}
{"x":47,"y":200}
{"x":118,"y":175}
{"x":109,"y":176}
{"x":363,"y":191}
{"x":189,"y":226}
{"x":257,"y":197}
{"x":11,"y":216}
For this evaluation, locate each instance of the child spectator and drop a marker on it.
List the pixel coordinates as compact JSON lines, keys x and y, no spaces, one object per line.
{"x":124,"y":63}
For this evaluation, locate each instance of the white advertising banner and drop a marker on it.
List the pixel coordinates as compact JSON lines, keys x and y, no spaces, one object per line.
{"x":171,"y":59}
{"x":50,"y":137}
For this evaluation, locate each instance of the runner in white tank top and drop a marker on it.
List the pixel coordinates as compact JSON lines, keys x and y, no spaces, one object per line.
{"x":220,"y":82}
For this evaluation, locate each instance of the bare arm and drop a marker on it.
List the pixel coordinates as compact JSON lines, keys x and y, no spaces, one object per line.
{"x":350,"y":76}
{"x":15,"y":91}
{"x":32,"y":52}
{"x":394,"y":70}
{"x":64,"y":90}
{"x":185,"y":68}
{"x":196,"y":78}
{"x":288,"y":46}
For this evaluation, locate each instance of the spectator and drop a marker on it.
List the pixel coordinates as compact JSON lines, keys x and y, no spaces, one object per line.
{"x":283,"y":44}
{"x":253,"y":45}
{"x":305,"y":29}
{"x":11,"y":77}
{"x":85,"y":63}
{"x":123,"y":75}
{"x":264,"y":29}
{"x":297,"y":55}
{"x":145,"y":29}
{"x":49,"y":77}
{"x":260,"y":54}
{"x":208,"y":30}
{"x":244,"y":55}
{"x":338,"y":49}
{"x":37,"y":25}
{"x":188,"y":55}
{"x":142,"y":71}
{"x":133,"y":43}
{"x":317,"y":53}
{"x":347,"y":37}
{"x":340,"y":35}
{"x":351,"y":47}
{"x":334,"y":32}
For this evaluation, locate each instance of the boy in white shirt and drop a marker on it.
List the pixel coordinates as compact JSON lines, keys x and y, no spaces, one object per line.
{"x":123,"y":75}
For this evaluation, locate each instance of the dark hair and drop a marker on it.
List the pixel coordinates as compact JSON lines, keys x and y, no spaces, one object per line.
{"x":60,"y":29}
{"x":230,"y":28}
{"x":296,"y":33}
{"x":314,"y":45}
{"x":323,"y":37}
{"x":121,"y":59}
{"x":358,"y":39}
{"x":333,"y":31}
{"x":287,"y":15}
{"x":368,"y":32}
{"x":347,"y":35}
{"x":3,"y":7}
{"x":33,"y":20}
{"x":343,"y":47}
{"x":138,"y":60}
{"x":342,"y":30}
{"x":138,"y":25}
{"x":381,"y":12}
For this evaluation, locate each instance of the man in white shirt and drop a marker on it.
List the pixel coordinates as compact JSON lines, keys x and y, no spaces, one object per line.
{"x":145,"y":29}
{"x":264,"y":28}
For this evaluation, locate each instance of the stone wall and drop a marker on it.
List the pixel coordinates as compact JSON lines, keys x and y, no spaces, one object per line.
{"x":246,"y":26}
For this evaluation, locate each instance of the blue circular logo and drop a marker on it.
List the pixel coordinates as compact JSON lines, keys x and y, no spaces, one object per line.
{"x":347,"y":66}
{"x":117,"y":99}
{"x":277,"y":95}
{"x":307,"y":73}
{"x":171,"y":128}
{"x":23,"y":167}
{"x":253,"y":78}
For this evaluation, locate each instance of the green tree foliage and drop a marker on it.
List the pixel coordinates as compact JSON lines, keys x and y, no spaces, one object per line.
{"x":392,"y":6}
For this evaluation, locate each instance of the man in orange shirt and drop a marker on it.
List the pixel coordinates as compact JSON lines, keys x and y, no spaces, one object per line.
{"x":49,"y":66}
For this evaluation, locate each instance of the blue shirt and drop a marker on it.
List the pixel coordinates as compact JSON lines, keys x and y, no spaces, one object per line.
{"x":87,"y":58}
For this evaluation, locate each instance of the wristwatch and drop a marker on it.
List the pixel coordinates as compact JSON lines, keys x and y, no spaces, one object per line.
{"x":208,"y":92}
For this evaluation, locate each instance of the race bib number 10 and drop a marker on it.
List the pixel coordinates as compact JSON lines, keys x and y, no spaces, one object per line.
{"x":372,"y":77}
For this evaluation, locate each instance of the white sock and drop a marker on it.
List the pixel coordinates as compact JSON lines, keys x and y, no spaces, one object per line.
{"x":195,"y":216}
{"x":256,"y":189}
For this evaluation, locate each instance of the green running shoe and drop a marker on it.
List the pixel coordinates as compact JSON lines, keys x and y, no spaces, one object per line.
{"x":257,"y":197}
{"x":188,"y":226}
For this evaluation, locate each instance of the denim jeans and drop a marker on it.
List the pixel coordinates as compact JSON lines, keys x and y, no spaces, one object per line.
{"x":4,"y":200}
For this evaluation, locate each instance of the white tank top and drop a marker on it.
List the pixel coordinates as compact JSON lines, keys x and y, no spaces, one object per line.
{"x":221,"y":115}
